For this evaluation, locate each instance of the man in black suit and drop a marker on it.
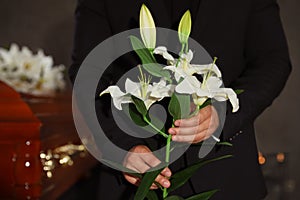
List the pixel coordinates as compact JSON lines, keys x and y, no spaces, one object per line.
{"x":247,"y":37}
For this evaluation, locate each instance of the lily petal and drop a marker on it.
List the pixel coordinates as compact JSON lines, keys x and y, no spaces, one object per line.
{"x":213,"y":83}
{"x":189,"y":85}
{"x":133,"y":87}
{"x":161,"y":90}
{"x":118,"y":96}
{"x":170,"y":67}
{"x":148,"y":103}
{"x":233,"y":99}
{"x":161,"y":50}
{"x":227,"y":93}
{"x":202,"y":69}
{"x":199,"y":100}
{"x":188,"y":56}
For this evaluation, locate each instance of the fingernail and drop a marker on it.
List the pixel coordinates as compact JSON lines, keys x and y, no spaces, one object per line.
{"x":168,"y":173}
{"x":174,"y":138}
{"x":177,"y":123}
{"x":166,"y":184}
{"x":172,"y":131}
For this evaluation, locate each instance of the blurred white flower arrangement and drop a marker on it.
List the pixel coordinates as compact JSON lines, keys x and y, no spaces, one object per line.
{"x":30,"y":73}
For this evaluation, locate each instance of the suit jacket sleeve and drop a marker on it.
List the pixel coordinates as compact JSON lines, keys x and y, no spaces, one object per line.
{"x":267,"y":66}
{"x":92,"y":27}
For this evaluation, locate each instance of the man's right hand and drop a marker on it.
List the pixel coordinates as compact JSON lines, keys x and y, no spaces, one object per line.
{"x":141,"y":162}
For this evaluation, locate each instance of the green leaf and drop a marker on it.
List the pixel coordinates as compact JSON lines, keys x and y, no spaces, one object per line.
{"x":142,"y":51}
{"x":179,"y":106}
{"x":239,"y":91}
{"x":181,"y":177}
{"x":224,"y":144}
{"x":148,"y":60}
{"x":136,"y":116}
{"x":146,"y":182}
{"x":140,"y":106}
{"x":138,"y":119}
{"x":151,"y":123}
{"x":152,"y":195}
{"x":174,"y":197}
{"x":157,"y":70}
{"x":203,"y":196}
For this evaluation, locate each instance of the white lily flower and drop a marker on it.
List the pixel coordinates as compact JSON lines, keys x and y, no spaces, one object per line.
{"x":147,"y":28}
{"x":184,"y":68}
{"x":28,"y":72}
{"x":210,"y":88}
{"x":161,"y":89}
{"x":148,"y":93}
{"x":53,"y":78}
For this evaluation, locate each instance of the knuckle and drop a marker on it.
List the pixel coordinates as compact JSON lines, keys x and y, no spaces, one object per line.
{"x":154,"y":161}
{"x":159,"y":179}
{"x":130,"y":159}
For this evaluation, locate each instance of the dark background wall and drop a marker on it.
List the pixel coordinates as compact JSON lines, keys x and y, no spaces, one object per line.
{"x":48,"y":24}
{"x":277,"y":128}
{"x":45,"y":24}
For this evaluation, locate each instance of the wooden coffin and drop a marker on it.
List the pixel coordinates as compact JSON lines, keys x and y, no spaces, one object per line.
{"x":41,"y":155}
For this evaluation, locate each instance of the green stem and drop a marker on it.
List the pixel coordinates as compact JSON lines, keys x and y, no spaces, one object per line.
{"x":182,"y":49}
{"x":187,"y":47}
{"x":207,"y":75}
{"x":155,"y":128}
{"x":181,"y":52}
{"x":152,"y":54}
{"x":167,"y":159}
{"x":168,"y":146}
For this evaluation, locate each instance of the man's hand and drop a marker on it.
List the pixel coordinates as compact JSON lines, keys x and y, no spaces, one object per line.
{"x":141,"y":162}
{"x":197,"y":128}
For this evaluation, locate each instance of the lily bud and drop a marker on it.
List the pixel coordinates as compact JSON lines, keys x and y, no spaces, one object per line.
{"x":147,"y":28}
{"x":184,"y":28}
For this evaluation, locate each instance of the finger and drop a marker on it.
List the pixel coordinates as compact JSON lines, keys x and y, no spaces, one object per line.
{"x":153,"y":186}
{"x":132,"y":179}
{"x":192,"y":121}
{"x":163,"y":181}
{"x":166,"y":172}
{"x":192,"y":130}
{"x":150,"y":159}
{"x":202,"y":115}
{"x":137,"y":163}
{"x":136,"y":181}
{"x":190,"y":138}
{"x":159,"y":180}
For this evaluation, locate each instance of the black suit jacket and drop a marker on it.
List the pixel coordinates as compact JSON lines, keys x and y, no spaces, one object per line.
{"x":248,"y":39}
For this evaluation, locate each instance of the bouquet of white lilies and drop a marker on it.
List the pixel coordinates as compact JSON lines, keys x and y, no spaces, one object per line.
{"x":178,"y":81}
{"x":30,"y":73}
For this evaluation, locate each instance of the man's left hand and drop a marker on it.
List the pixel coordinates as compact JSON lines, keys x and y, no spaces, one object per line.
{"x":197,"y":128}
